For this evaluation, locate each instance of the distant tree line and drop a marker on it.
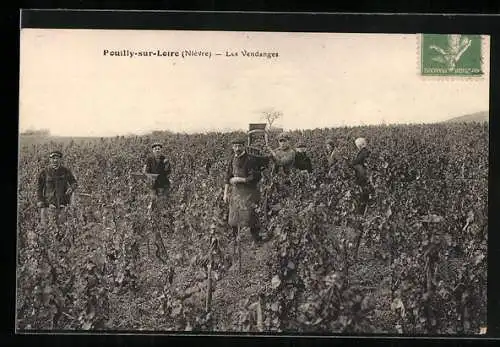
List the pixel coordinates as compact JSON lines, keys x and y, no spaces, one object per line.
{"x":41,"y":132}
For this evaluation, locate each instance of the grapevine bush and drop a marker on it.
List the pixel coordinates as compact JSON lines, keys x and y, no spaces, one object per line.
{"x":414,"y":263}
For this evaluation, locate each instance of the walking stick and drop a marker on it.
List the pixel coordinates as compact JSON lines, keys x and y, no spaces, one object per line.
{"x":237,"y":248}
{"x":161,"y":250}
{"x":238,"y":242}
{"x":208,"y":302}
{"x":152,"y":210}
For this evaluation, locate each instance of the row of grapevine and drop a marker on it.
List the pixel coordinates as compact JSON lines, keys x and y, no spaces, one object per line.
{"x":99,"y":271}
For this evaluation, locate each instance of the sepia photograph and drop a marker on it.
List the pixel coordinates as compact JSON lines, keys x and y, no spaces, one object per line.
{"x":252,"y":182}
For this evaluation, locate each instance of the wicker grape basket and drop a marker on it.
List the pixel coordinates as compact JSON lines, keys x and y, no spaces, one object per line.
{"x":257,"y":141}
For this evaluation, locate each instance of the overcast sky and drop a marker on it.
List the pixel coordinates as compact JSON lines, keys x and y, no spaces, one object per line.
{"x":319,"y":80}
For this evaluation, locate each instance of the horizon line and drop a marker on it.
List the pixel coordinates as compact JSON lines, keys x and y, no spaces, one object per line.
{"x":228,"y":131}
{"x":278,"y":125}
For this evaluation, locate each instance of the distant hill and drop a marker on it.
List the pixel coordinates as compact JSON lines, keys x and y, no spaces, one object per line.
{"x":483,"y":116}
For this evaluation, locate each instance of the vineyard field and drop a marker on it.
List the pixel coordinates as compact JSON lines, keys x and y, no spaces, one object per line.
{"x":414,"y":263}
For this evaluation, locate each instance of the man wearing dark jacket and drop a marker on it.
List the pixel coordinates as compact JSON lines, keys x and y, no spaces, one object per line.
{"x":362,"y":180}
{"x":302,"y":160}
{"x":359,"y":163}
{"x":55,"y":186}
{"x":241,"y":189}
{"x":159,"y":165}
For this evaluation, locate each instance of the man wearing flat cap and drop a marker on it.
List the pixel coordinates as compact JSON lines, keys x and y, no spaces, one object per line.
{"x":241,"y":189}
{"x":158,"y":164}
{"x":56,"y":184}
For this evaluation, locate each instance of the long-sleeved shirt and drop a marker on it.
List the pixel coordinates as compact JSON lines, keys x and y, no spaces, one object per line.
{"x":359,"y":165}
{"x":160,"y":166}
{"x":53,"y":184}
{"x":303,"y":162}
{"x":284,"y":160}
{"x":245,"y":166}
{"x":361,"y":157}
{"x":334,"y":157}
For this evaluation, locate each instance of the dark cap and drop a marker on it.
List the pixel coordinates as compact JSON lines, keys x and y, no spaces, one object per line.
{"x":239,"y":141}
{"x":54,"y":154}
{"x":156,"y":144}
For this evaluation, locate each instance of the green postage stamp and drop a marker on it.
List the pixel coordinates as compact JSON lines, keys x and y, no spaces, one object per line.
{"x":451,"y":55}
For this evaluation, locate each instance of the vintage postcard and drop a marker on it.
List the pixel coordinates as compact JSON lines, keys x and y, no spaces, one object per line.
{"x":295,"y":183}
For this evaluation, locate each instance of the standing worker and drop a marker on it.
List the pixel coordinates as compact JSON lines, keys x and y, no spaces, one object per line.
{"x":362,"y":180}
{"x":56,"y":184}
{"x":337,"y":166}
{"x":302,"y":160}
{"x":241,"y":190}
{"x":284,"y":155}
{"x":158,"y":164}
{"x":334,"y":157}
